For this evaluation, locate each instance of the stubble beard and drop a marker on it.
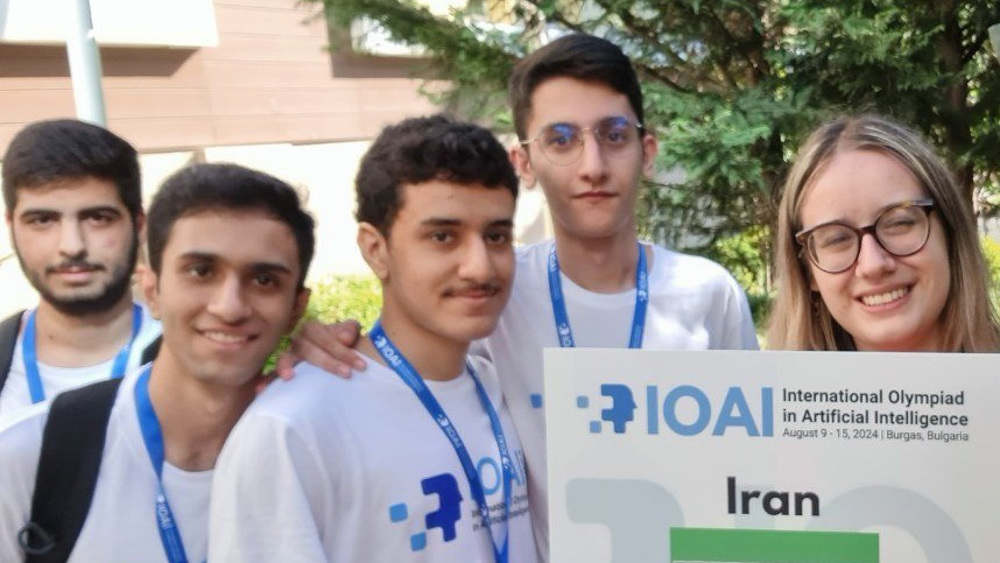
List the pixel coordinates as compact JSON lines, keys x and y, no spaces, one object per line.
{"x":85,"y":305}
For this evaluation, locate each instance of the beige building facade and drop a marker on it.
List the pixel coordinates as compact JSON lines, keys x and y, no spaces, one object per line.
{"x":247,"y":81}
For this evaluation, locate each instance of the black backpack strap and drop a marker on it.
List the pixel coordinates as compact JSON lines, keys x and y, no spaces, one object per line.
{"x":9,"y":329}
{"x":150,"y":352}
{"x":72,"y":448}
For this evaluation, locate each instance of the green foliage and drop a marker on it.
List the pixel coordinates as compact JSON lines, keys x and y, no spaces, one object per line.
{"x":338,"y":298}
{"x":991,"y":249}
{"x":744,"y":255}
{"x":733,"y":86}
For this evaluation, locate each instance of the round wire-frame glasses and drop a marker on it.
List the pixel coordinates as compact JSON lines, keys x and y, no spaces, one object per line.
{"x":562,"y":143}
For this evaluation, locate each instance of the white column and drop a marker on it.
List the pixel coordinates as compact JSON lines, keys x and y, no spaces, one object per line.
{"x":85,"y":65}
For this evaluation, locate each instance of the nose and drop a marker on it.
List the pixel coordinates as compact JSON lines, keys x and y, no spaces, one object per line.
{"x":593,"y":164}
{"x":477,"y":262}
{"x":72,"y":240}
{"x":873,"y":260}
{"x":228,"y":301}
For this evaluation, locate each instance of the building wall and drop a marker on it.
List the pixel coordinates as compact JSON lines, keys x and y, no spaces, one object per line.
{"x":270,"y":79}
{"x":270,"y":94}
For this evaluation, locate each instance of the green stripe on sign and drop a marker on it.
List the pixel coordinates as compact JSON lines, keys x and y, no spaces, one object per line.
{"x":771,"y":546}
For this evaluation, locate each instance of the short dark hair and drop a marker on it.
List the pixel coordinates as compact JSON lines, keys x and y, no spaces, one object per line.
{"x":580,"y":56}
{"x":48,"y":151}
{"x":420,"y":149}
{"x":227,"y":187}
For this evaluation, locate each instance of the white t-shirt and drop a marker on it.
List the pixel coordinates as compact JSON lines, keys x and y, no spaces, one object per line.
{"x":15,"y":394}
{"x":694,"y":304}
{"x":121,"y":525}
{"x":322,"y":468}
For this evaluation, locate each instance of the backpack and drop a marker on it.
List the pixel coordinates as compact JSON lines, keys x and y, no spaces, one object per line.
{"x":9,"y":329}
{"x":72,"y":448}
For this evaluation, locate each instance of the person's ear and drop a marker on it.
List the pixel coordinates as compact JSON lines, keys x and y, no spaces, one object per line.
{"x":650,"y":149}
{"x":807,"y":271}
{"x":148,"y":284}
{"x":522,"y":165}
{"x":374,"y":249}
{"x":299,"y":307}
{"x":140,"y":227}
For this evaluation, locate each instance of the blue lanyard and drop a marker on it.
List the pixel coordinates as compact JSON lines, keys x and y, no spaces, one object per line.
{"x":563,"y":330}
{"x":30,"y":353}
{"x":170,"y":536}
{"x":409,"y":375}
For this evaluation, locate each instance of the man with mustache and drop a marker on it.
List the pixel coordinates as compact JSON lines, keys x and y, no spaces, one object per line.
{"x":416,"y":459}
{"x":579,"y":115}
{"x":74,"y":212}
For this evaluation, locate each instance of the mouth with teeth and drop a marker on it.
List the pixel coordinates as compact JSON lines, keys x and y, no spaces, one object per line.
{"x":885,"y":298}
{"x":226,"y":338}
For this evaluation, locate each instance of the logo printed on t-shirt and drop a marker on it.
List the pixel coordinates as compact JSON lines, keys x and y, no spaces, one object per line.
{"x":445,"y":487}
{"x":449,"y":511}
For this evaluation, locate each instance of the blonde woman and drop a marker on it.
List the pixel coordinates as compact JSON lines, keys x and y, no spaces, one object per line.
{"x":877,"y":249}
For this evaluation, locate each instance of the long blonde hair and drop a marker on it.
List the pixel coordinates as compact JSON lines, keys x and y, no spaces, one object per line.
{"x":800,"y":319}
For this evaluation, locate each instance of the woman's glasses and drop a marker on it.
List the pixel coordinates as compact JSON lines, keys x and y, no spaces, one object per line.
{"x":901,"y":230}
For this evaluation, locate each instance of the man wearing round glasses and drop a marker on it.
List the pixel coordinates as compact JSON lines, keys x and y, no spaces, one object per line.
{"x":578,"y":113}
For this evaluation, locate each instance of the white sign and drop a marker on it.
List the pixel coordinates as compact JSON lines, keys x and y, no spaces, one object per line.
{"x":805,"y":457}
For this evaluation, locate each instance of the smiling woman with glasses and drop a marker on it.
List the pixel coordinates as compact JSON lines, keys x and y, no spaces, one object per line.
{"x":877,"y":249}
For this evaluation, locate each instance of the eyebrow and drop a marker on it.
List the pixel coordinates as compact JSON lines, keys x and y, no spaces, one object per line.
{"x":878,"y":213}
{"x":441,"y":222}
{"x":447,"y":222}
{"x":254,"y":267}
{"x":85,"y":210}
{"x":594,"y":123}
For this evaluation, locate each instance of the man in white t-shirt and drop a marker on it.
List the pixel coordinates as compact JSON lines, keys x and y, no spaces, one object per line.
{"x":416,"y":458}
{"x":578,"y":113}
{"x":74,"y":212}
{"x":229,"y":248}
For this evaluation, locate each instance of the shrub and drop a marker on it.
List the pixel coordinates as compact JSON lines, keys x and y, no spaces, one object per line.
{"x":338,"y":298}
{"x":991,"y":249}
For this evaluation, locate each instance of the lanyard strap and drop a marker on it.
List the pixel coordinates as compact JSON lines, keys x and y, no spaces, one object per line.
{"x":170,"y":535}
{"x":409,"y":375}
{"x":30,"y":353}
{"x":563,"y":330}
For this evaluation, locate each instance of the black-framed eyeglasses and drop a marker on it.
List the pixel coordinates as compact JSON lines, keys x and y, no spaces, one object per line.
{"x":562,"y":143}
{"x":902,"y":230}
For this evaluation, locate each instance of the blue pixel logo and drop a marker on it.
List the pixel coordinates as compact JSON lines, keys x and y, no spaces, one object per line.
{"x":687,"y":410}
{"x":444,"y":487}
{"x":621,"y":411}
{"x":449,"y":512}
